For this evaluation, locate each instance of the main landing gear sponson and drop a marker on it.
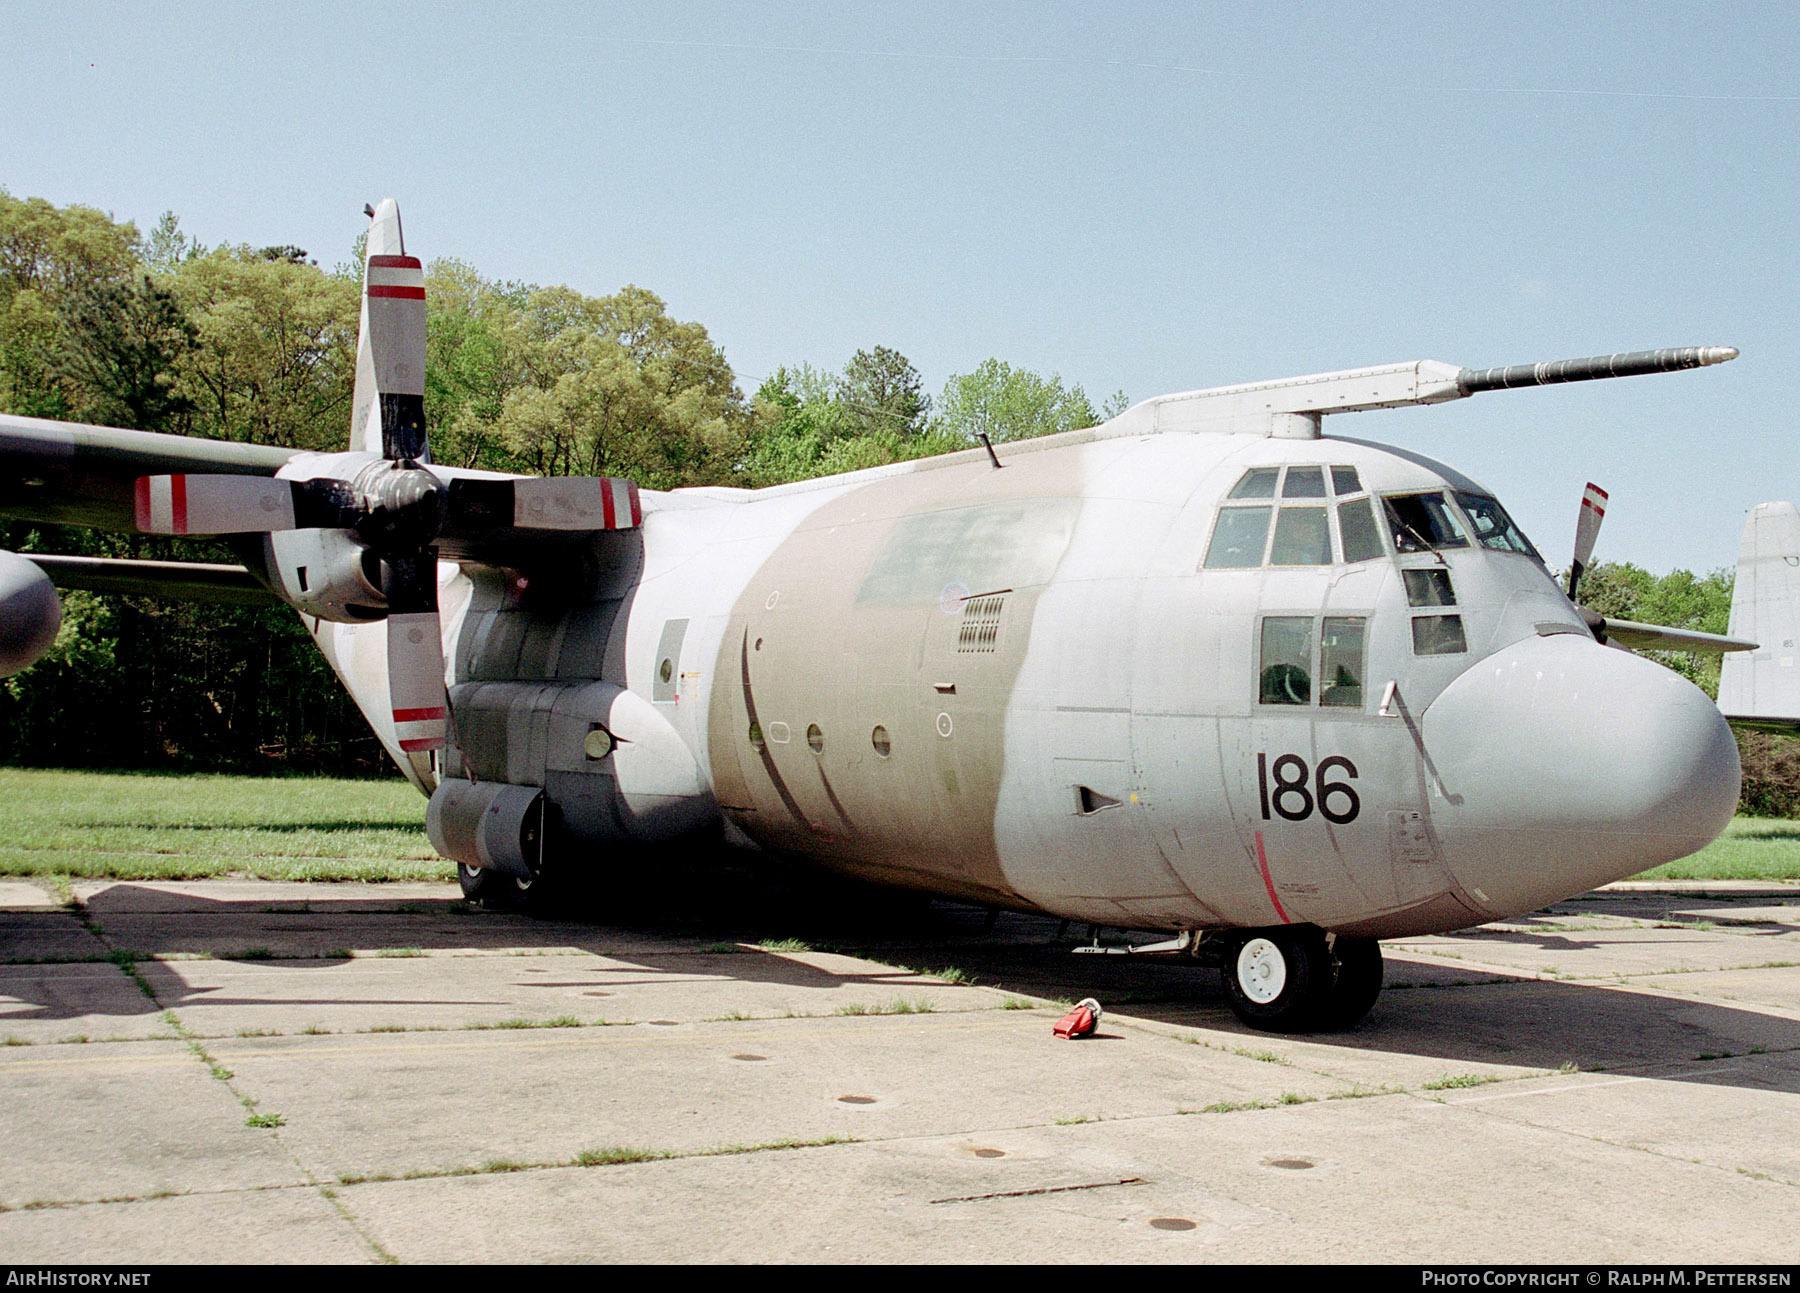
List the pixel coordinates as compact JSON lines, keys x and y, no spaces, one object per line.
{"x":1296,"y":979}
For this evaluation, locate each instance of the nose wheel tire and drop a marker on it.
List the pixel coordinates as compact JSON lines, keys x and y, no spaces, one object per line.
{"x":1273,"y":978}
{"x":1355,"y":982}
{"x":1292,"y":980}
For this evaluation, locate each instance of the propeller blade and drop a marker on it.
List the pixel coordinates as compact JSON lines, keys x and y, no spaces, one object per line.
{"x":225,"y":504}
{"x":1587,"y":532}
{"x":548,"y":503}
{"x":415,"y":650}
{"x":394,"y":290}
{"x":214,"y":504}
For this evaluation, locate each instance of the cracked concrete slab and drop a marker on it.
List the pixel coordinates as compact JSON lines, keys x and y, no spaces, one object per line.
{"x":1640,"y":1105}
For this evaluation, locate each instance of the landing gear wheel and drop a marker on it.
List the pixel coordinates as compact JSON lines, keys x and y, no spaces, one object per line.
{"x":1354,"y":984}
{"x":1275,"y":978}
{"x":498,"y":890}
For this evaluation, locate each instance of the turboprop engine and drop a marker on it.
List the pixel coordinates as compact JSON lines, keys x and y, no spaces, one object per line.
{"x":30,"y":612}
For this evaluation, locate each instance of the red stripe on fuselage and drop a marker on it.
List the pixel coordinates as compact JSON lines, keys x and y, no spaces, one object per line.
{"x":405,"y":293}
{"x":1262,"y":863}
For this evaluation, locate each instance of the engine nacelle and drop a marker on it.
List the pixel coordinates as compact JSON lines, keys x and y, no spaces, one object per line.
{"x":30,"y":612}
{"x":488,"y":825}
{"x":327,"y":574}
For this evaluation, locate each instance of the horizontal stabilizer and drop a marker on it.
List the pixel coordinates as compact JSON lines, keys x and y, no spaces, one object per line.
{"x":1762,"y":689}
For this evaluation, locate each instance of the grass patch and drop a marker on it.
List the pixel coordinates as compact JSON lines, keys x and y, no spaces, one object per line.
{"x":898,"y":1006}
{"x":720,"y":948}
{"x":613,"y":1155}
{"x":1752,"y":848}
{"x":1016,"y":1003}
{"x":265,"y":1120}
{"x":126,"y":826}
{"x":401,"y":951}
{"x":785,"y":945}
{"x":1461,"y":1080}
{"x":952,"y":974}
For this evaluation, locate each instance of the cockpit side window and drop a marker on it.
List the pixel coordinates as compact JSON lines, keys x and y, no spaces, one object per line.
{"x":1423,"y":523}
{"x":1493,"y":527}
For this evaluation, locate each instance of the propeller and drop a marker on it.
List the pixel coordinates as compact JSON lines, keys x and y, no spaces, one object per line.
{"x":392,"y":501}
{"x":1630,"y":634}
{"x":1587,"y":532}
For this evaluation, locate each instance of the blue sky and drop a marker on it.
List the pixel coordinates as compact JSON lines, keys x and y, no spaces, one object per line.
{"x":1146,"y":197}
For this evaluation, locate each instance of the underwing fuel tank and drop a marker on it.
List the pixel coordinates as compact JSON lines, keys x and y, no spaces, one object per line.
{"x":30,"y":613}
{"x":1558,"y":765}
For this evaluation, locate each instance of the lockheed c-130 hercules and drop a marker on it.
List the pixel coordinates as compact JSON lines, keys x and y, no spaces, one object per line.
{"x":1199,"y":669}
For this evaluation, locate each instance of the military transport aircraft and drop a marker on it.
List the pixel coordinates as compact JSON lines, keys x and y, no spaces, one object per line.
{"x":1198,"y":669}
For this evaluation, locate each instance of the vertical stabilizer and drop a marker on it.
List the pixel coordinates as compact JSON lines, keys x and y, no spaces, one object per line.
{"x":1761,"y":688}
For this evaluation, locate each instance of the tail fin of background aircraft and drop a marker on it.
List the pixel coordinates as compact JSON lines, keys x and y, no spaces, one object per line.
{"x":1761,"y":689}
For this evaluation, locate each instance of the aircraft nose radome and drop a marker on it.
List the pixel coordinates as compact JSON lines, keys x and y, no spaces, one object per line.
{"x":1564,"y":764}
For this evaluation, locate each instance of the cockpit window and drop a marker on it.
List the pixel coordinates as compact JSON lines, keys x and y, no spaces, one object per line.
{"x":1344,"y":480}
{"x":1423,"y":523}
{"x":1493,"y":527}
{"x":1285,"y":677}
{"x":1304,"y":482}
{"x":1238,"y":538}
{"x":1258,"y":482}
{"x":1302,"y":536}
{"x":1356,"y":523}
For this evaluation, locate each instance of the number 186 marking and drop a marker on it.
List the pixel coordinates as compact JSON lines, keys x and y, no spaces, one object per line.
{"x":1293,"y":798}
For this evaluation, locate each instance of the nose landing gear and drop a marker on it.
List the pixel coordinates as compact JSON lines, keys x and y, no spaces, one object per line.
{"x":1298,"y":979}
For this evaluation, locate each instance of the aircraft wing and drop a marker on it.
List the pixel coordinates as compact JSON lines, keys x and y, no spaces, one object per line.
{"x":1658,"y":637}
{"x":188,"y":581}
{"x":69,"y":473}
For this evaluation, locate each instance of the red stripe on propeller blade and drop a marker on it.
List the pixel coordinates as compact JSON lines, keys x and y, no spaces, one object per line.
{"x":405,"y":293}
{"x":418,"y":715}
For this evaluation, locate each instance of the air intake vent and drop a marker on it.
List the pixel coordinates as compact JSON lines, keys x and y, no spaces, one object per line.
{"x":980,"y":630}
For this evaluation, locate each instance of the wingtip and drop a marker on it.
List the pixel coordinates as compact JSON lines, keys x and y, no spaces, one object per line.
{"x":1717,"y":354}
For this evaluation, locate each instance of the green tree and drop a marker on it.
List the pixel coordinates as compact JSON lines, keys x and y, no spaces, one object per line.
{"x":119,"y":347}
{"x":1007,"y":403}
{"x":882,"y":392}
{"x":274,"y":359}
